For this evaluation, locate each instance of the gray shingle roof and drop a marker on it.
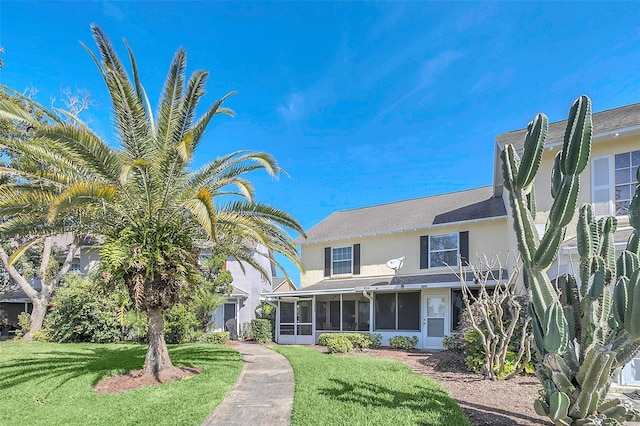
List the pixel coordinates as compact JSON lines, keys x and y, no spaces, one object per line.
{"x":604,"y":121}
{"x":350,"y":283}
{"x":417,"y":213}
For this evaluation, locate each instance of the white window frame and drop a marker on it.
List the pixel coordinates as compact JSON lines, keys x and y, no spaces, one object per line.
{"x":631,"y":183}
{"x":457,"y":235}
{"x":333,"y":260}
{"x":611,"y":187}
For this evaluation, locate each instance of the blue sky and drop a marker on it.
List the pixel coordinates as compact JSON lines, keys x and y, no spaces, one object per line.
{"x":361,"y":103}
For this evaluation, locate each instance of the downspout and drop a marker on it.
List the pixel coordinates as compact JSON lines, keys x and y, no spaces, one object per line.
{"x":365,"y":294}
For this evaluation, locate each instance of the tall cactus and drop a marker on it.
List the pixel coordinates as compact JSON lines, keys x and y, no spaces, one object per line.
{"x":584,"y":332}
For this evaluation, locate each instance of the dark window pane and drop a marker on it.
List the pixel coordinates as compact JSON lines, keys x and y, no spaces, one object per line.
{"x":321,"y":314}
{"x":435,"y":327}
{"x":385,"y":312}
{"x":287,"y":312}
{"x":409,"y":311}
{"x":623,"y":192}
{"x":229,"y":311}
{"x":348,"y":315}
{"x":622,"y":208}
{"x":304,"y":311}
{"x":334,"y":316}
{"x":623,"y":160}
{"x":451,"y":257}
{"x":363,"y":316}
{"x":457,"y":307}
{"x":623,"y":176}
{"x":304,"y":330}
{"x":286,"y":330}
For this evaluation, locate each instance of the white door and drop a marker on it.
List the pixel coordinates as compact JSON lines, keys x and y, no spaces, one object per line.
{"x":435,"y":321}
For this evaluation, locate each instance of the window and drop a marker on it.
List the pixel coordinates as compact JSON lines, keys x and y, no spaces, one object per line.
{"x":613,"y":182}
{"x":443,"y":250}
{"x":345,"y":315}
{"x":625,"y":180}
{"x":397,"y":311}
{"x":341,"y":260}
{"x":75,"y":266}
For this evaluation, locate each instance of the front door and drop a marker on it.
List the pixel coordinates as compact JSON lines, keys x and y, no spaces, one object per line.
{"x":435,"y":321}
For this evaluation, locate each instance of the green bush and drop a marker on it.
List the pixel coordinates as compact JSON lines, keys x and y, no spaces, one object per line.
{"x":245,"y":331}
{"x":40,"y":336}
{"x":24,"y":324}
{"x":262,"y":330}
{"x":215,"y":337}
{"x":376,"y":340}
{"x":80,"y":312}
{"x":454,"y":342}
{"x":358,"y":340}
{"x":403,"y":342}
{"x":180,"y":325}
{"x":336,"y":342}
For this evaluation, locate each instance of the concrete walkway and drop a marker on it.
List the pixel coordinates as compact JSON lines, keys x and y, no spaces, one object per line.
{"x":263,"y":394}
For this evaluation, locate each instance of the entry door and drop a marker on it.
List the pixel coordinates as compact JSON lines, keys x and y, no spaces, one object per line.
{"x":435,"y":322}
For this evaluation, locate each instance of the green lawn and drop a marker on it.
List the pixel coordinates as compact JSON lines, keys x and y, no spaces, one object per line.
{"x":51,"y":384}
{"x":361,"y":390}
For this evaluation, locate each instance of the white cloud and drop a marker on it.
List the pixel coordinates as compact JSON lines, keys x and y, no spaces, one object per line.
{"x":294,"y":108}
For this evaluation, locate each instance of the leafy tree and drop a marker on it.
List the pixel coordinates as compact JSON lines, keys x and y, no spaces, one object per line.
{"x":156,"y":213}
{"x":24,"y":258}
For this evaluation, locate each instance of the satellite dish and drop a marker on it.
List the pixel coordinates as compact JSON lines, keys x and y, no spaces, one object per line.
{"x":395,"y":264}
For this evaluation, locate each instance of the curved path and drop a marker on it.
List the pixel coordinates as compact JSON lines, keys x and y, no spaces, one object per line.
{"x":263,"y":393}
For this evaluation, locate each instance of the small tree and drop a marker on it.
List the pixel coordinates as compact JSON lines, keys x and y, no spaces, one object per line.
{"x":497,"y":316}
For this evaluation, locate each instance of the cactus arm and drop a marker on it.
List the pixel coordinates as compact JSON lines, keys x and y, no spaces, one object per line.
{"x":532,"y":155}
{"x":577,"y":138}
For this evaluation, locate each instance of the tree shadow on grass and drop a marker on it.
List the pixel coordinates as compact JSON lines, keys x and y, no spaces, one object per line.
{"x":419,"y":399}
{"x":98,"y":361}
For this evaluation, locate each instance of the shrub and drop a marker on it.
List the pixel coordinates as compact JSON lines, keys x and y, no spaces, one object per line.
{"x":454,"y":342}
{"x":262,"y":330}
{"x":245,"y":331}
{"x":376,"y":340}
{"x":403,"y":342}
{"x":180,"y":324}
{"x":358,"y":340}
{"x":40,"y":336}
{"x":24,"y":324}
{"x":336,"y":342}
{"x":215,"y":337}
{"x":80,"y":312}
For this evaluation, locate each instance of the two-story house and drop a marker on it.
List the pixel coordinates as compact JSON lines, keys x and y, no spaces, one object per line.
{"x":347,"y":285}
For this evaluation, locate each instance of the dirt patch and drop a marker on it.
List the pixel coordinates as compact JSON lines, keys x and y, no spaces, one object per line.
{"x":138,"y":379}
{"x":499,"y":403}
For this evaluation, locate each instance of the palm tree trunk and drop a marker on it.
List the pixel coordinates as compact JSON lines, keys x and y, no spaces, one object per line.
{"x":157,"y":356}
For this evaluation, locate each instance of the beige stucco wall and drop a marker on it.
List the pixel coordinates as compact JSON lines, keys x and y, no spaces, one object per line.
{"x":609,"y":146}
{"x":486,"y":236}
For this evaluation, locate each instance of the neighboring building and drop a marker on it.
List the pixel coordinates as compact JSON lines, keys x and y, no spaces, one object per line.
{"x":240,"y":306}
{"x":282,"y":285}
{"x":16,"y":301}
{"x":248,"y":286}
{"x":348,"y":287}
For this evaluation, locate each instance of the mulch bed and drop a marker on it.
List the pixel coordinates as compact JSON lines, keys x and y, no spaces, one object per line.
{"x":138,"y":379}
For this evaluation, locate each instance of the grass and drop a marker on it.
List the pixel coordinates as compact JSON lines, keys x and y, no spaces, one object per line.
{"x":362,"y":390}
{"x":49,"y":383}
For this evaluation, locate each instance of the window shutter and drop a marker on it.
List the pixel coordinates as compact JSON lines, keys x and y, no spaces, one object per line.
{"x":424,"y":252}
{"x":327,"y":261}
{"x":464,"y":247}
{"x":356,"y":259}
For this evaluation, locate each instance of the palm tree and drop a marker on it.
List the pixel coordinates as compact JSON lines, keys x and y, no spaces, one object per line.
{"x":155,"y":212}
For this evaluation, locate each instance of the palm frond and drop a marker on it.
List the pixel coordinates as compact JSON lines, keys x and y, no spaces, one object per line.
{"x":201,"y":125}
{"x":170,"y":103}
{"x":201,"y":207}
{"x":23,"y":249}
{"x":79,"y":194}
